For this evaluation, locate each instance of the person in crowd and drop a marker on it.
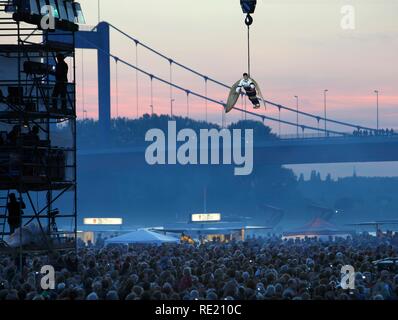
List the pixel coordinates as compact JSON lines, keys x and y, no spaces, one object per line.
{"x":258,"y":269}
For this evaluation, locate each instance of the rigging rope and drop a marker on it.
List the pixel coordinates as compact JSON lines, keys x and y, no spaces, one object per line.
{"x":248,"y":51}
{"x":245,"y":112}
{"x":242,"y":104}
{"x":248,"y":22}
{"x":206,"y":96}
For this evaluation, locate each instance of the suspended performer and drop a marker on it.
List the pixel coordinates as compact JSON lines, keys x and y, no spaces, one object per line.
{"x":248,"y":86}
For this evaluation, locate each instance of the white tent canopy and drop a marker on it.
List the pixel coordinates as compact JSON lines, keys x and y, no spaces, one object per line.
{"x":142,"y":236}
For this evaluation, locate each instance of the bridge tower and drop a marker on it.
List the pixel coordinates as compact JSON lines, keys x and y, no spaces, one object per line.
{"x":99,"y":39}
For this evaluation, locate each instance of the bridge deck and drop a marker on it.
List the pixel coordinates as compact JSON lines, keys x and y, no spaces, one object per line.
{"x":292,"y":151}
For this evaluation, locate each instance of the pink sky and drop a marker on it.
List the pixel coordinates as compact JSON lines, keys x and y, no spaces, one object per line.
{"x":296,"y":50}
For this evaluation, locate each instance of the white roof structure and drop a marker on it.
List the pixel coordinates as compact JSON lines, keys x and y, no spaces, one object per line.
{"x":142,"y":236}
{"x":208,"y":228}
{"x":317,"y":228}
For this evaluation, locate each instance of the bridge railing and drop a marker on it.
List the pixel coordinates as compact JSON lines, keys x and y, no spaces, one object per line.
{"x":321,"y":135}
{"x":318,"y":135}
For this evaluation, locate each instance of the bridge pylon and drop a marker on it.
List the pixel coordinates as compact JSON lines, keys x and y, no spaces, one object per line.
{"x":99,"y":39}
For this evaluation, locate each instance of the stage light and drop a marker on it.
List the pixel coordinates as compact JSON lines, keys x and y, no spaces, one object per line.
{"x":55,"y":9}
{"x":67,"y":13}
{"x":9,"y":8}
{"x":79,"y":17}
{"x":62,"y":11}
{"x":36,"y":68}
{"x":42,"y":4}
{"x":70,"y":12}
{"x":34,"y":9}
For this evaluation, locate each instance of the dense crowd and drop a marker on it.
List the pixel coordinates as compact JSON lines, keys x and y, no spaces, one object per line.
{"x":261,"y":269}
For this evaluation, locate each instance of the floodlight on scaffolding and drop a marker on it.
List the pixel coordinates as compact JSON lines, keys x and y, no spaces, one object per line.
{"x":68,"y":14}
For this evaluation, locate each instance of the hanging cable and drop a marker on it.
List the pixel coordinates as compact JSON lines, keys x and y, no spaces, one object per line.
{"x":37,"y":199}
{"x":243,"y":105}
{"x":151,"y":77}
{"x":99,"y":11}
{"x":222,"y":116}
{"x":83,"y":87}
{"x":248,"y":51}
{"x":117,"y":87}
{"x":206,"y":104}
{"x":248,"y":22}
{"x":351,"y":125}
{"x":136,"y":78}
{"x":171,"y":87}
{"x":188,"y":92}
{"x":248,"y":8}
{"x":279,"y":122}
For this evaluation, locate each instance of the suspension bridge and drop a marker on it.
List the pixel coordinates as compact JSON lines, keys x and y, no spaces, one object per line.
{"x":316,"y":143}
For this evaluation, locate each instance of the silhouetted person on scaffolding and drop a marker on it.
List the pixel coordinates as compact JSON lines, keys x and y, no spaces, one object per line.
{"x":13,"y":136}
{"x":15,"y":212}
{"x":33,"y":138}
{"x":61,"y":82}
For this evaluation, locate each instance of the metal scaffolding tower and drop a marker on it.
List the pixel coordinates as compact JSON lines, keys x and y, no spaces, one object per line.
{"x":37,"y":137}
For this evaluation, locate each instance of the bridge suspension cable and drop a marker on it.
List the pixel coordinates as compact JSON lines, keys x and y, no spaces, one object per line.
{"x":117,"y":86}
{"x":173,"y":85}
{"x":282,"y":107}
{"x":136,"y":80}
{"x":152,"y":107}
{"x":206,"y":104}
{"x":83,"y":87}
